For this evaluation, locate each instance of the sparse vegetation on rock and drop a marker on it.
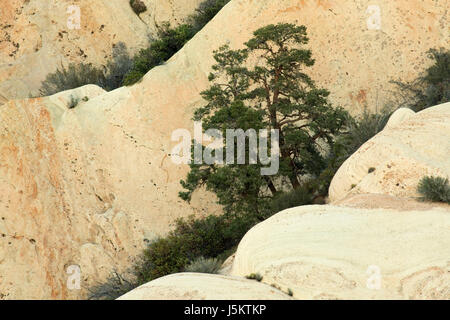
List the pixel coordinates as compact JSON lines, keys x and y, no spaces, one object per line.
{"x":70,"y":77}
{"x":73,"y":102}
{"x":138,"y":6}
{"x":78,"y":75}
{"x":255,"y":276}
{"x":170,"y":40}
{"x":204,"y":265}
{"x":431,"y":88}
{"x":115,"y":286}
{"x":434,"y":189}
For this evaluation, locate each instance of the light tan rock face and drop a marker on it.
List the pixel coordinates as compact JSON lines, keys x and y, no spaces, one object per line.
{"x":399,"y":116}
{"x":86,"y":186}
{"x":330,"y":252}
{"x":202,"y":286}
{"x":80,"y":187}
{"x":174,"y":12}
{"x":37,"y":36}
{"x":359,"y":45}
{"x":401,"y":155}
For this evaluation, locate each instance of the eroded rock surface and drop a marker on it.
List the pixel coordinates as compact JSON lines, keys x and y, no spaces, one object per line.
{"x":394,"y":161}
{"x":330,"y":252}
{"x":36,"y":37}
{"x":79,"y":187}
{"x":202,"y":286}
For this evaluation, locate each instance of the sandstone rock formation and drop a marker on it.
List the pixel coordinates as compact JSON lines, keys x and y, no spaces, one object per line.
{"x":399,"y":116}
{"x":202,"y":286}
{"x":394,"y":161}
{"x":86,"y":186}
{"x":37,"y":36}
{"x":330,"y":252}
{"x":174,"y":12}
{"x":80,"y":187}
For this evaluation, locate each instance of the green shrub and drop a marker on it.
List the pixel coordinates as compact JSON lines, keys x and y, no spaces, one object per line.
{"x":359,"y":130}
{"x":117,"y":67}
{"x":204,"y":265}
{"x":435,"y":189}
{"x":138,"y":6}
{"x":363,"y":128}
{"x":297,"y":197}
{"x":431,"y":88}
{"x":73,"y":102}
{"x":70,"y":77}
{"x":171,"y":40}
{"x":255,"y":276}
{"x":205,"y":12}
{"x":192,"y":238}
{"x":78,"y":75}
{"x":114,"y":287}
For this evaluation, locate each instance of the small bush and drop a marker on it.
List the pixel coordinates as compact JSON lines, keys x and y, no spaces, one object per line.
{"x":206,"y":10}
{"x":363,"y":128}
{"x":371,"y":169}
{"x":192,"y":238}
{"x":204,"y":265}
{"x":297,"y":197}
{"x":78,"y":75}
{"x":138,"y":6}
{"x":435,"y":189}
{"x":73,"y":102}
{"x":171,"y":40}
{"x":431,"y":88}
{"x":114,"y":287}
{"x":359,"y":130}
{"x":255,"y":276}
{"x":70,"y":77}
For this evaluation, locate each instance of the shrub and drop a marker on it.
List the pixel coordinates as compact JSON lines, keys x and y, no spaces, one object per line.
{"x":205,"y":12}
{"x":297,"y":197}
{"x":363,"y":128}
{"x":77,"y":75}
{"x":431,"y":88}
{"x":73,"y":102}
{"x":70,"y":77}
{"x":171,"y":40}
{"x":204,"y":265}
{"x":435,"y":189}
{"x":115,"y":286}
{"x":255,"y":276}
{"x":138,"y":6}
{"x":192,"y":238}
{"x":117,"y":67}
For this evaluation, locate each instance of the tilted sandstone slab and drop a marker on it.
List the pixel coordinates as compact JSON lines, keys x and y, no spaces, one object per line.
{"x":394,"y":161}
{"x":174,"y":12}
{"x":77,"y":188}
{"x":202,"y":286}
{"x":36,"y":37}
{"x":329,"y":252}
{"x":399,"y":116}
